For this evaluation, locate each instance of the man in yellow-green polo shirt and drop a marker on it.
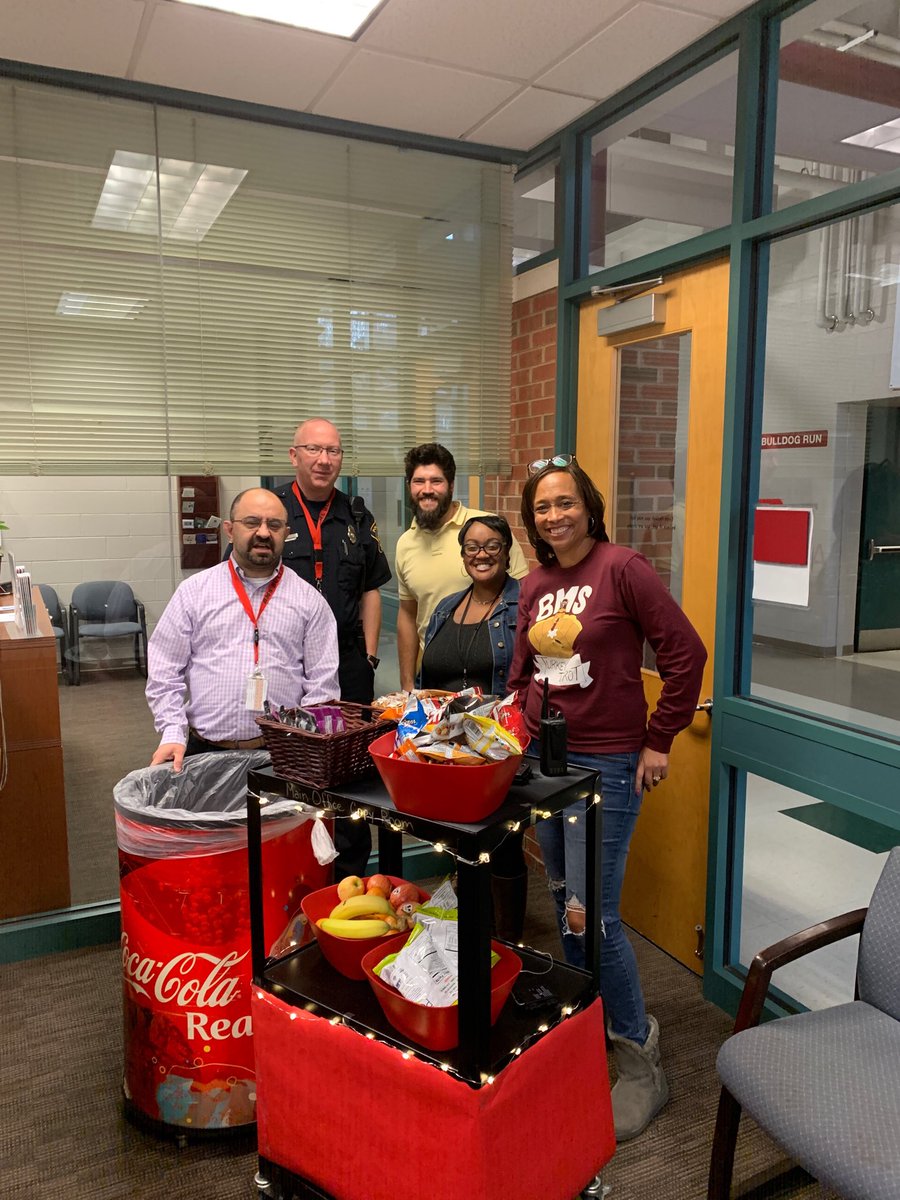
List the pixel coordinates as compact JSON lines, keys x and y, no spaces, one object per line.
{"x":429,"y":564}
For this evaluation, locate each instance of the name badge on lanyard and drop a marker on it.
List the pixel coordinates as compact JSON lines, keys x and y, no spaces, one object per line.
{"x":257,"y":687}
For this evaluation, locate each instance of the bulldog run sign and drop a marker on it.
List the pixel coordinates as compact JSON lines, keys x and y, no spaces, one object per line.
{"x":802,"y":439}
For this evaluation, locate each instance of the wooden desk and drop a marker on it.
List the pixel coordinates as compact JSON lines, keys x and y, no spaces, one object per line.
{"x":34,"y":852}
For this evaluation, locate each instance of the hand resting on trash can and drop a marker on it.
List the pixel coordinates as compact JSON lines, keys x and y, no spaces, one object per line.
{"x":172,"y":752}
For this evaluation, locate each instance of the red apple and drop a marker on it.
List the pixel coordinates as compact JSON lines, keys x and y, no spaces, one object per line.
{"x":380,"y":883}
{"x":404,"y":893}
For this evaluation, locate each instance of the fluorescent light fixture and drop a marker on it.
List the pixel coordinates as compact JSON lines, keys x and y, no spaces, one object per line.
{"x":879,"y":137}
{"x":192,"y":196}
{"x":88,"y":304}
{"x":344,"y":18}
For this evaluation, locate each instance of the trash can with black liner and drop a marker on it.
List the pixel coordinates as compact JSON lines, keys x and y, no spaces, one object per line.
{"x":185,"y":937}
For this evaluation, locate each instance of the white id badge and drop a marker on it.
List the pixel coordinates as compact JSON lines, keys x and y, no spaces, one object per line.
{"x":257,"y":689}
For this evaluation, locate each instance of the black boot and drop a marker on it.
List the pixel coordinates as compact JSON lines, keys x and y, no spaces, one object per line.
{"x":510,"y":898}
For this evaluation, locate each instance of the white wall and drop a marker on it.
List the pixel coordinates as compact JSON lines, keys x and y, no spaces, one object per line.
{"x":70,"y":529}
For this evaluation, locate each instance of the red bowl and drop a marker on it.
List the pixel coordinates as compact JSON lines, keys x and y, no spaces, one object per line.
{"x":443,"y":791}
{"x":344,"y":954}
{"x":435,"y":1028}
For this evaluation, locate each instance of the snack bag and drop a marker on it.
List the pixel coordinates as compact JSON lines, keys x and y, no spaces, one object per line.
{"x":420,"y":973}
{"x":412,"y":721}
{"x":508,"y":712}
{"x":329,"y":718}
{"x":489,"y":739}
{"x":450,"y":752}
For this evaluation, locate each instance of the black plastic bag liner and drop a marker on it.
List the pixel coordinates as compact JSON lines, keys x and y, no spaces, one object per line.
{"x":202,"y":809}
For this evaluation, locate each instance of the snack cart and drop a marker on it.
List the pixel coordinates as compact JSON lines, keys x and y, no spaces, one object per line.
{"x":347,"y":1108}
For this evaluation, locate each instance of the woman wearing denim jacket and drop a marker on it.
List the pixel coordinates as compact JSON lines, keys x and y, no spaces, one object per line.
{"x":469,"y":643}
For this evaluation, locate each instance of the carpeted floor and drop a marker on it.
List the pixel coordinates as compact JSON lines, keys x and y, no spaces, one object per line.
{"x":62,"y":1135}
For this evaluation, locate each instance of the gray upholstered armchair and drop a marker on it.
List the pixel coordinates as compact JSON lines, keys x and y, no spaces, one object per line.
{"x":824,"y":1085}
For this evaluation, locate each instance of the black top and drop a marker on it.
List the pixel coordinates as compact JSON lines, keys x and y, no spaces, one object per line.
{"x":352,"y":557}
{"x":459,"y":656}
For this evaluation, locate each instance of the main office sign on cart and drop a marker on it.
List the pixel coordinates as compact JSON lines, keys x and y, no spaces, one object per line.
{"x":802,"y":439}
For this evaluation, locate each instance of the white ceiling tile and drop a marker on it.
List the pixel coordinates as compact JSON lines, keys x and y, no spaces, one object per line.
{"x":60,"y":33}
{"x":529,"y":118}
{"x":515,"y":38}
{"x":403,"y":94}
{"x":721,"y":9}
{"x":640,"y":39}
{"x":226,"y":55}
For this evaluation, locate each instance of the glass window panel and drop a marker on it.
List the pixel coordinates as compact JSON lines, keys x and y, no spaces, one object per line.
{"x":534,"y":212}
{"x":838,"y":98}
{"x":651,"y":455}
{"x":804,"y":861}
{"x":288,"y":281}
{"x":826,"y":606}
{"x":664,"y":173}
{"x":291,"y":264}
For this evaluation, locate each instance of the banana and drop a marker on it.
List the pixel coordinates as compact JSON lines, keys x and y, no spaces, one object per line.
{"x":353,"y":929}
{"x":361,"y":906}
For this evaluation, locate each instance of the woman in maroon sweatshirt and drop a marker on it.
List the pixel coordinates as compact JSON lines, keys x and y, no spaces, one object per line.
{"x":584,"y":615}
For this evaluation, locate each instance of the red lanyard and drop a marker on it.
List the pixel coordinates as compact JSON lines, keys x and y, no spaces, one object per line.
{"x":248,"y":607}
{"x":315,"y":530}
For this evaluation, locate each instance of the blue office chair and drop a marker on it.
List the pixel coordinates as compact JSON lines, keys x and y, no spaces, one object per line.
{"x":107,"y":609}
{"x":824,"y":1085}
{"x":59,"y":623}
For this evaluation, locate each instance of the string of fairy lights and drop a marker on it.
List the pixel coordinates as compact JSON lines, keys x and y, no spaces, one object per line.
{"x":407,"y":1053}
{"x":397,"y":824}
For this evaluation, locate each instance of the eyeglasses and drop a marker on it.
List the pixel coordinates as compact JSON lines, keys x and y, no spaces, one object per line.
{"x":314,"y":451}
{"x":473,"y":549}
{"x":558,"y":460}
{"x":274,"y":524}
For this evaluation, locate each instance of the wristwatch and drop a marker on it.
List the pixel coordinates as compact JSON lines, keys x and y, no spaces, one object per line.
{"x":373,"y":661}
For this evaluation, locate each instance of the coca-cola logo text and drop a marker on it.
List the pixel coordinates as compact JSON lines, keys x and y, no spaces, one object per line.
{"x":181,"y":980}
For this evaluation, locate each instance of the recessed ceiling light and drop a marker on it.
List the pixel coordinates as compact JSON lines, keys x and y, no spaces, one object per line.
{"x":879,"y":137}
{"x":344,"y":18}
{"x":88,"y":304}
{"x":192,"y":196}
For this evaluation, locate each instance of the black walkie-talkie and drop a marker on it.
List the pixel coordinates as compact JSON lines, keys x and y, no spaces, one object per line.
{"x":553,"y":737}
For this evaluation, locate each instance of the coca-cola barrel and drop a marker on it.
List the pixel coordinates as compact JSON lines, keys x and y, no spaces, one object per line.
{"x":185,"y":939}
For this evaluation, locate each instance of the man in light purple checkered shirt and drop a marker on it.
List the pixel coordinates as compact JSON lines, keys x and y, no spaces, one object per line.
{"x":237,"y":633}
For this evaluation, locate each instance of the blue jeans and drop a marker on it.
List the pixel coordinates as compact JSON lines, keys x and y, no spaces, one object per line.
{"x":562,"y":843}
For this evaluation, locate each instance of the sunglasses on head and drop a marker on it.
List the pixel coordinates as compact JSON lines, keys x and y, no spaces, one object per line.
{"x":558,"y":460}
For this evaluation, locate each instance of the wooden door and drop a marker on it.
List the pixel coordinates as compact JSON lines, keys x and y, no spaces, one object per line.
{"x":650,"y":421}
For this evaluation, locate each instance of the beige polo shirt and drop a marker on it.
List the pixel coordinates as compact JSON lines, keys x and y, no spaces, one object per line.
{"x":430,"y":566}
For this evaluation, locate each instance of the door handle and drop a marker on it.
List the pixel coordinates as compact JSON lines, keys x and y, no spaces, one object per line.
{"x":706,"y":706}
{"x":873,"y":548}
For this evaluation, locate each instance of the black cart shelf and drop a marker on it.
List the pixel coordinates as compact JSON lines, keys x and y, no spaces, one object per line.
{"x":303,"y":977}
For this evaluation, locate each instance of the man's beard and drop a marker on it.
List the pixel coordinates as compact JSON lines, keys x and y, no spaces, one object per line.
{"x":432,"y":518}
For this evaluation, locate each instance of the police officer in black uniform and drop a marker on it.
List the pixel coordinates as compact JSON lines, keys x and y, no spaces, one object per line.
{"x":333,"y":544}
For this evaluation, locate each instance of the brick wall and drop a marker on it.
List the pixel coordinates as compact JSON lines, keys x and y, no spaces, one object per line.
{"x":533,"y":404}
{"x":649,"y":391}
{"x":533,"y":427}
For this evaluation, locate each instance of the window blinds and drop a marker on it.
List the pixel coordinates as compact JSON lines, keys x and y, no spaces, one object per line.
{"x":178,"y":291}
